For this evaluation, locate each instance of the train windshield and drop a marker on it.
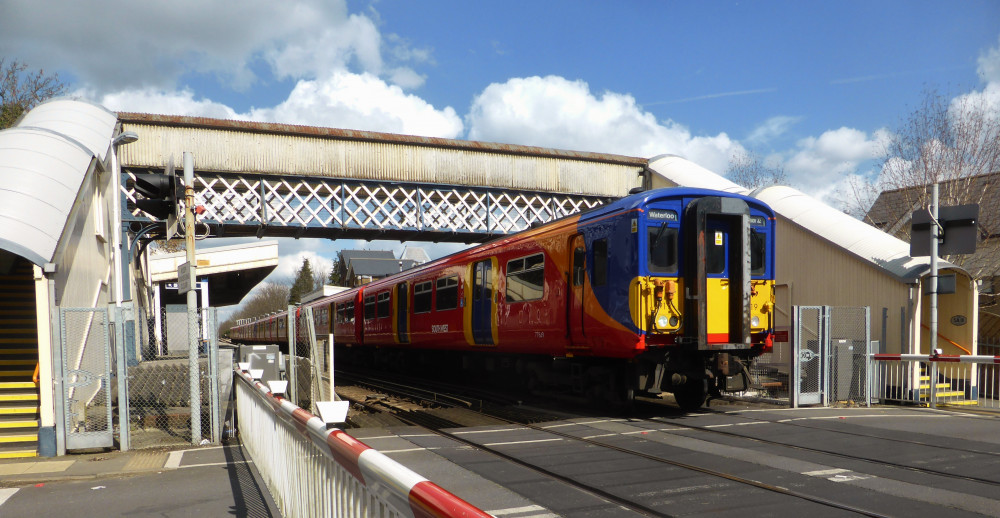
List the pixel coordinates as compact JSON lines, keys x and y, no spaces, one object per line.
{"x":757,"y":253}
{"x":662,"y":249}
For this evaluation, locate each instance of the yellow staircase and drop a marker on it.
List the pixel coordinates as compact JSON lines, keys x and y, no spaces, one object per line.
{"x":18,"y":358}
{"x":943,"y":391}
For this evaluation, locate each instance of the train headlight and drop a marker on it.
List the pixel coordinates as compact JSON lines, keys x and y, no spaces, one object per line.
{"x":755,"y":322}
{"x":662,"y":321}
{"x":674,"y":321}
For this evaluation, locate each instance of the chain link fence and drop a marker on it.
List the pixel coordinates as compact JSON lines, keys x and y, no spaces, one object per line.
{"x":308,"y":360}
{"x":159,"y":380}
{"x":848,"y":350}
{"x":825,"y":363}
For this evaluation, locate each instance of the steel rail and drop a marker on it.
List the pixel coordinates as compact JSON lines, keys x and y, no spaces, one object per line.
{"x":627,"y":503}
{"x":926,"y":471}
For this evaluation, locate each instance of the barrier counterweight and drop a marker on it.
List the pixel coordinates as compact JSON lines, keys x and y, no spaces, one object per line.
{"x":313,"y":471}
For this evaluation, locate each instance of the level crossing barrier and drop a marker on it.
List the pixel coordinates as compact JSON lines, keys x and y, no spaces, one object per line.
{"x":311,"y":470}
{"x":937,"y":379}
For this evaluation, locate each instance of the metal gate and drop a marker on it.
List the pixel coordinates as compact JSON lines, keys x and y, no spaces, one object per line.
{"x":831,"y":347}
{"x":85,"y":377}
{"x":810,"y":324}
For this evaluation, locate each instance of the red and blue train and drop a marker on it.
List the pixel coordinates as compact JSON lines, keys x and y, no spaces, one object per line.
{"x":667,"y":290}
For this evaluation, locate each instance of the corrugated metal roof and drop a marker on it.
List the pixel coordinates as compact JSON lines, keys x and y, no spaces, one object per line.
{"x":43,"y":162}
{"x":857,"y":237}
{"x":265,"y":148}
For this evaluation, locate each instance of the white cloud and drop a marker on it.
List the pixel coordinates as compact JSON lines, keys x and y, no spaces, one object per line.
{"x":289,"y":264}
{"x":125,"y":45}
{"x":771,"y":128}
{"x":821,"y":164}
{"x":361,"y":101}
{"x":149,"y":100}
{"x":555,"y":112}
{"x":989,"y":65}
{"x":343,"y":100}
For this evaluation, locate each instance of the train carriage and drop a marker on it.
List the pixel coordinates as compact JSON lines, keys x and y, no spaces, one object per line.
{"x":670,"y":290}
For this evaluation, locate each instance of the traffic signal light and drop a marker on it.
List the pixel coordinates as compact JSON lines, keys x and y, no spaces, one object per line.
{"x":161,"y":194}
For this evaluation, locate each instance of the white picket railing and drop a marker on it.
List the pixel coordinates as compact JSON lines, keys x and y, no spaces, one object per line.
{"x":314,"y":471}
{"x":937,"y":379}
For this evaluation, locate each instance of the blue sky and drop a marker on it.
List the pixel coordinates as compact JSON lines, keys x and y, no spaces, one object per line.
{"x":810,"y":85}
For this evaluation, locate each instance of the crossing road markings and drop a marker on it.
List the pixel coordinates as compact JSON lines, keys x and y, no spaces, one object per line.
{"x":6,"y":493}
{"x":838,"y":475}
{"x":530,"y":511}
{"x":521,"y":442}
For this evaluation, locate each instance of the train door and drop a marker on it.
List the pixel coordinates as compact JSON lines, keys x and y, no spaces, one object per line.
{"x":402,"y":314}
{"x":482,"y":302}
{"x":716,"y":237}
{"x":717,"y":272}
{"x":575,"y":293}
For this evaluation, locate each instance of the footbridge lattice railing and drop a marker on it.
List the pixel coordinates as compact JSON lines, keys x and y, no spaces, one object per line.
{"x":258,"y":205}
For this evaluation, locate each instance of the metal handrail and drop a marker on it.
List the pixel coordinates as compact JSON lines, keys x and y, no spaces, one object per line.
{"x":311,"y":470}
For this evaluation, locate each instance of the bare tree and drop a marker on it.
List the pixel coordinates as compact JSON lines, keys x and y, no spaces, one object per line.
{"x":749,"y":170}
{"x":268,"y":298}
{"x":319,"y":279}
{"x":21,"y":89}
{"x":952,"y":141}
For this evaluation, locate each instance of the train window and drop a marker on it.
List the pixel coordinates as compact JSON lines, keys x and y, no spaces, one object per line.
{"x":757,"y":252}
{"x":422,"y":297}
{"x":579,"y":256}
{"x":370,"y":307}
{"x":715,"y":253}
{"x":600,"y":262}
{"x":383,"y":304}
{"x":447,"y":293}
{"x":662,"y":249}
{"x":526,"y":278}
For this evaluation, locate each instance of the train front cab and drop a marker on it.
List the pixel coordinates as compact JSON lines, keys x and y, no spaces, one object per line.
{"x":704,"y":298}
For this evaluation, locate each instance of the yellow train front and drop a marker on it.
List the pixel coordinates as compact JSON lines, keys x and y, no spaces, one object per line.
{"x":684,"y":276}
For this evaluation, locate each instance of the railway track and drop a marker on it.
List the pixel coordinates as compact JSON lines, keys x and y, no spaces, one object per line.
{"x":890,"y":444}
{"x":433,"y":398}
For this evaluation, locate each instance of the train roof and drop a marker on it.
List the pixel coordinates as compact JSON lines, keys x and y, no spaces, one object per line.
{"x":631,"y":202}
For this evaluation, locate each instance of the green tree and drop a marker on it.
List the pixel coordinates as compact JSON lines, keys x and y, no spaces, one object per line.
{"x":334,"y":277}
{"x":21,"y":89}
{"x":303,"y":283}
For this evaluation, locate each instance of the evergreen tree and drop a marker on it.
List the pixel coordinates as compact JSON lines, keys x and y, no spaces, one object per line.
{"x":334,"y":278}
{"x":303,"y":283}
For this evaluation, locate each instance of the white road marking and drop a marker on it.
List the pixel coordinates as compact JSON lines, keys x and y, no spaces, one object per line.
{"x":602,"y":435}
{"x":536,"y":510}
{"x":6,"y":493}
{"x":473,"y":432}
{"x":838,"y":475}
{"x":825,"y":472}
{"x":409,"y":449}
{"x":520,"y":442}
{"x":174,"y":460}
